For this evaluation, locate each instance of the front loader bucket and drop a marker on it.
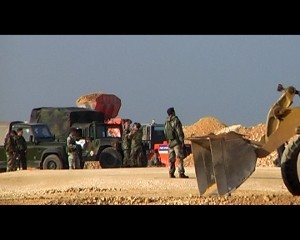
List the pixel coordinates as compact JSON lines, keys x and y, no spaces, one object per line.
{"x":222,"y":162}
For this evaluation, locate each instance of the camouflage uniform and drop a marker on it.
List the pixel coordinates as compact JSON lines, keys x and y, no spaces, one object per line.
{"x":126,"y":146}
{"x":155,"y":160}
{"x":176,"y":146}
{"x":21,"y":152}
{"x":11,"y":150}
{"x":137,"y":154}
{"x":73,"y":157}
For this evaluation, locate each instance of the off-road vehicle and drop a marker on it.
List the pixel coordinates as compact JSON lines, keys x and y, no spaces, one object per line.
{"x":43,"y":151}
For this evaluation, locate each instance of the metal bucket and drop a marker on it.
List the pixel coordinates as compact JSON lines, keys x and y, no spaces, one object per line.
{"x":222,"y":162}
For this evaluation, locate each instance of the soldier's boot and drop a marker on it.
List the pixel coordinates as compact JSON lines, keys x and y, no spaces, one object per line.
{"x":172,"y":175}
{"x":183,"y":176}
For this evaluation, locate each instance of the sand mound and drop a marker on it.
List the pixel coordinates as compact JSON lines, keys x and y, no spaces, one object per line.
{"x":204,"y":126}
{"x":209,"y":125}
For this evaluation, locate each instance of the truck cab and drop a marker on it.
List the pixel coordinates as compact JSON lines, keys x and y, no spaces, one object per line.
{"x":154,"y":138}
{"x":152,"y":134}
{"x":100,"y":142}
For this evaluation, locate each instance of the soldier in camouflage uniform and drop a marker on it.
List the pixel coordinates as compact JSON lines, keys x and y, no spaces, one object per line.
{"x":10,"y":146}
{"x":137,"y":155}
{"x":126,"y":143}
{"x":175,"y":136}
{"x":21,"y":150}
{"x":73,"y":156}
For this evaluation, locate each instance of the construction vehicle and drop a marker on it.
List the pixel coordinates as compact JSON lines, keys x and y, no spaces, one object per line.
{"x":104,"y":139}
{"x":153,"y":136}
{"x":223,"y":162}
{"x":43,"y":151}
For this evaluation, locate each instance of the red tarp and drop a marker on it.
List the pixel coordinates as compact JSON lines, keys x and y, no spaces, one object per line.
{"x":109,"y":104}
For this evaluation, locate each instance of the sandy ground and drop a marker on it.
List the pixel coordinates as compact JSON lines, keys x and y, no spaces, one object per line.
{"x":134,"y":186}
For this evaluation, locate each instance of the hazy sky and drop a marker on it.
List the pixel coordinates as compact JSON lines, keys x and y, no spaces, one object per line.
{"x":233,"y":78}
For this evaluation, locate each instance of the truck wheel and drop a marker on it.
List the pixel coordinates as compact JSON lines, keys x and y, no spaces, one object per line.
{"x":290,"y":167}
{"x":110,"y":158}
{"x":52,"y":162}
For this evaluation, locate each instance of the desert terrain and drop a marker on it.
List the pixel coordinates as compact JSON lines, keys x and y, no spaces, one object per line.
{"x":145,"y":186}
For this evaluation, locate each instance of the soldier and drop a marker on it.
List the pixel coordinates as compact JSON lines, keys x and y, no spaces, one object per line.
{"x":73,"y":157}
{"x":155,"y":160}
{"x":175,"y":137}
{"x":126,"y":143}
{"x":137,"y":155}
{"x":21,"y":150}
{"x":10,"y":146}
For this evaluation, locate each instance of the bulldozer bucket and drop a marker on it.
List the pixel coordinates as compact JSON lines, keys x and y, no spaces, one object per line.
{"x":222,"y":162}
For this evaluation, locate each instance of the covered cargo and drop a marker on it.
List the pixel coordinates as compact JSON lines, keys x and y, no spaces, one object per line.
{"x":60,"y":119}
{"x":109,"y":104}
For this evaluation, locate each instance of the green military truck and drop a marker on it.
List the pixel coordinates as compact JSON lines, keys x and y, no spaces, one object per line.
{"x":43,"y":151}
{"x":104,"y":139}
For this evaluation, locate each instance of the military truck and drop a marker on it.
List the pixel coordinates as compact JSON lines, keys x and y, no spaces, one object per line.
{"x":43,"y":151}
{"x":104,"y":140}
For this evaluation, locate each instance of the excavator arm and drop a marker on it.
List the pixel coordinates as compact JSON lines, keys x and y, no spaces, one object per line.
{"x":223,"y":162}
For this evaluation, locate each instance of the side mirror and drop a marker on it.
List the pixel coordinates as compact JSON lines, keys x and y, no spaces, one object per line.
{"x":31,"y":138}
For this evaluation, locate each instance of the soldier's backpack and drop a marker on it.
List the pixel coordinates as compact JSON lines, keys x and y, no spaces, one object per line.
{"x":170,"y":133}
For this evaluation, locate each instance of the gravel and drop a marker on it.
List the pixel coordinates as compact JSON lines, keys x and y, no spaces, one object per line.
{"x":136,"y":186}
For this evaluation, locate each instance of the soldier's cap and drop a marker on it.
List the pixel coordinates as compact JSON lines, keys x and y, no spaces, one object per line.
{"x":127,"y":120}
{"x":170,"y":111}
{"x":19,"y":129}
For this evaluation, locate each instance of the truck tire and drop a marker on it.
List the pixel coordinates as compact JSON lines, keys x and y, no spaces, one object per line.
{"x":110,"y":158}
{"x":52,"y":162}
{"x":290,"y":166}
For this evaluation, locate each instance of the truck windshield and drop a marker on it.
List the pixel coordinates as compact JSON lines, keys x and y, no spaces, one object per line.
{"x":41,"y":131}
{"x":158,"y":133}
{"x":104,"y":131}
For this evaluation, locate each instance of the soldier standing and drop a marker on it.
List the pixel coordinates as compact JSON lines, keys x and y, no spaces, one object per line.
{"x":10,"y":146}
{"x":175,"y":136}
{"x":137,"y":156}
{"x":21,"y":150}
{"x":73,"y":157}
{"x":126,"y":143}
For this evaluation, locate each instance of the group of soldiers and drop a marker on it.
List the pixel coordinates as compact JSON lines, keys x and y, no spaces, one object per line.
{"x":15,"y":148}
{"x":134,"y":155}
{"x":133,"y":151}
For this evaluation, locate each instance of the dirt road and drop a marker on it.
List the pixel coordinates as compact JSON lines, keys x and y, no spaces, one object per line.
{"x":134,"y":186}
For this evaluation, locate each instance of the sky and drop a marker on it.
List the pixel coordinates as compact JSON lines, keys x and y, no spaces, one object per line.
{"x":233,"y":78}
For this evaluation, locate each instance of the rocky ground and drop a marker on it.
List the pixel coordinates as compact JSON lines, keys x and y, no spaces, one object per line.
{"x":96,"y":196}
{"x":137,"y":186}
